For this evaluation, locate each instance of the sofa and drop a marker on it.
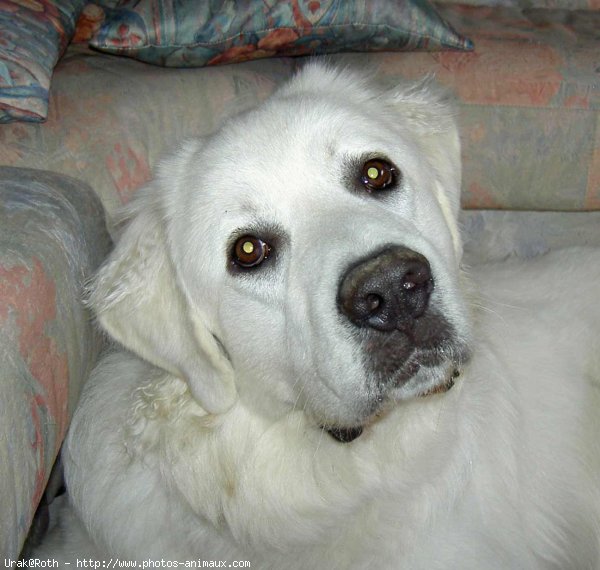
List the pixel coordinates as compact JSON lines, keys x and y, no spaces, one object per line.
{"x":527,"y":100}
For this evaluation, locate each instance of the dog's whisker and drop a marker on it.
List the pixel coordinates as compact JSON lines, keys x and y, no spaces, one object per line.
{"x":487,"y":302}
{"x":300,"y":391}
{"x":317,"y":447}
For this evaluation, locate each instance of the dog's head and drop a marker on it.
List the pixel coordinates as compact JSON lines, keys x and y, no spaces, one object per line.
{"x":306,"y":256}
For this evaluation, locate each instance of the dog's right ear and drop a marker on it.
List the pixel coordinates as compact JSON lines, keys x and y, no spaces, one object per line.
{"x":138,"y":301}
{"x":431,"y":114}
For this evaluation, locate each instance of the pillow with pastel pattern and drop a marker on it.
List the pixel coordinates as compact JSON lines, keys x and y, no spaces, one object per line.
{"x":33,"y":35}
{"x":190,"y":33}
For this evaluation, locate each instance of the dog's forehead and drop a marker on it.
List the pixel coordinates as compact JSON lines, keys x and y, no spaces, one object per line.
{"x":289,"y":129}
{"x":294,"y":140}
{"x":294,"y":161}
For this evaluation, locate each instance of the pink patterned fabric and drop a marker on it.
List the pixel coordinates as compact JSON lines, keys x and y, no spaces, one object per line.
{"x":529,"y":104}
{"x":111,"y":119}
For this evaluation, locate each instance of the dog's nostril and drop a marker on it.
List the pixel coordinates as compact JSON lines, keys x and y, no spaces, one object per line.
{"x":417,"y":282}
{"x":373,"y":302}
{"x":411,"y":281}
{"x":417,"y":276}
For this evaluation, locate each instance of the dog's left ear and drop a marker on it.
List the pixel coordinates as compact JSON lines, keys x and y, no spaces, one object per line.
{"x":138,"y":300}
{"x":430,"y":112}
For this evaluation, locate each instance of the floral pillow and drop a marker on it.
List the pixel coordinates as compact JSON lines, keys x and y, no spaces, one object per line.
{"x":33,"y":35}
{"x":189,"y":33}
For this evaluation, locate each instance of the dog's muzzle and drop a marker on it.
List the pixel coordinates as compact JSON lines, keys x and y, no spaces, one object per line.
{"x":386,"y":298}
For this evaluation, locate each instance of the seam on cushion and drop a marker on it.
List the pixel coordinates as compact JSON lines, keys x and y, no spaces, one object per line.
{"x":591,"y":199}
{"x":541,"y":107}
{"x":269,"y":30}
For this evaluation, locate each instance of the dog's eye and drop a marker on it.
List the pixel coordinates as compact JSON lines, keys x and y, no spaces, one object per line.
{"x":378,"y":174}
{"x":250,"y":251}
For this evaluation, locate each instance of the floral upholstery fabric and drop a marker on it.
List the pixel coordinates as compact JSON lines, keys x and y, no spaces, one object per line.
{"x":52,"y":237}
{"x":33,"y":35}
{"x":187,"y":33}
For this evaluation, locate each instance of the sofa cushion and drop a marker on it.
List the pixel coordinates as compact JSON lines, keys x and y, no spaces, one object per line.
{"x":493,"y":235}
{"x":188,"y":33}
{"x":552,"y":4}
{"x":34,"y":35}
{"x":52,"y":237}
{"x":529,"y":104}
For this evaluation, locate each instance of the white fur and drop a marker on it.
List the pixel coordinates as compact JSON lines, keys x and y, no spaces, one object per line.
{"x":206,"y":449}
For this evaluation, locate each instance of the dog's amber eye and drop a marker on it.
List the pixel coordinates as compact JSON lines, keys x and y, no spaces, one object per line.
{"x":378,"y":174}
{"x":250,"y":251}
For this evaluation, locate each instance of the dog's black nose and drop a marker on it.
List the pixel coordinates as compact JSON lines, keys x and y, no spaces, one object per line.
{"x":387,"y":291}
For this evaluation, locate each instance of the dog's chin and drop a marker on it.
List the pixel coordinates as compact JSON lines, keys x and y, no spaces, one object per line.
{"x":424,"y":381}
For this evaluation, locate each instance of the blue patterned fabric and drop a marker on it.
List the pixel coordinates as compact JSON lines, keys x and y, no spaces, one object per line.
{"x":33,"y":35}
{"x":187,"y":33}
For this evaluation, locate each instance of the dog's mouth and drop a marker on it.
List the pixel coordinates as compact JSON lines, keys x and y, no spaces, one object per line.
{"x":349,"y":434}
{"x":403,"y":364}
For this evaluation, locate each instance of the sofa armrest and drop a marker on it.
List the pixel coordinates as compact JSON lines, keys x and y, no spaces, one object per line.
{"x":52,"y":237}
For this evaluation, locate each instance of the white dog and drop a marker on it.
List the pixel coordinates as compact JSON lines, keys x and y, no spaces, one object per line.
{"x":290,"y":295}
